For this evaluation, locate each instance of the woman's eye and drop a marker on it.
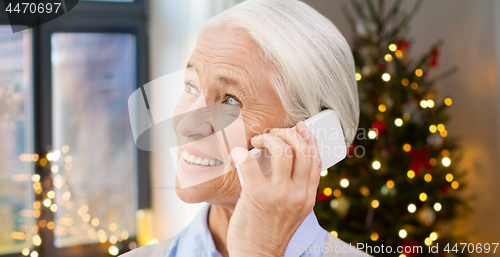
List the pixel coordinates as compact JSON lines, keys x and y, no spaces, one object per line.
{"x":232,"y":101}
{"x":191,"y":89}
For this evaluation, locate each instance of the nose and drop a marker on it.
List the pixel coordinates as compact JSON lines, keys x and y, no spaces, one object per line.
{"x":195,"y":124}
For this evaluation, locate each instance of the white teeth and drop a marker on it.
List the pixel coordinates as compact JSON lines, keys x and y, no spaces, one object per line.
{"x":193,"y":159}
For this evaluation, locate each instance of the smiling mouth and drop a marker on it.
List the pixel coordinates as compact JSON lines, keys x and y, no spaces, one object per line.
{"x":196,"y":160}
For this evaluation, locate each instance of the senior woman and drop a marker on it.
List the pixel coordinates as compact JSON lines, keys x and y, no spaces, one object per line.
{"x":279,"y":62}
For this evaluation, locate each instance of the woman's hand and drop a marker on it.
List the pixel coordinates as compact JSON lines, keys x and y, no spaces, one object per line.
{"x":271,"y":207}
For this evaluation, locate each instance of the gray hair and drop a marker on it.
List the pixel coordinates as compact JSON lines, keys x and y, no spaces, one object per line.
{"x":314,"y":62}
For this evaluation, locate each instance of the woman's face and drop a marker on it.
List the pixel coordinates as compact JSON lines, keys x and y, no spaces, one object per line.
{"x":225,"y":69}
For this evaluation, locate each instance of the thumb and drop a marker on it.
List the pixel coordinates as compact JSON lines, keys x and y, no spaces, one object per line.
{"x":248,"y":169}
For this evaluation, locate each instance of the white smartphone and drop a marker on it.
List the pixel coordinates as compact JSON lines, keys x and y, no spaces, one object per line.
{"x":325,"y":126}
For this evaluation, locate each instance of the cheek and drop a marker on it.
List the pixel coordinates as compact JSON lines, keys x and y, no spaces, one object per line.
{"x":181,"y":108}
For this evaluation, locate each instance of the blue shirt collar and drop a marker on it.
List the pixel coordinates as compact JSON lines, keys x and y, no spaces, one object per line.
{"x":196,"y":240}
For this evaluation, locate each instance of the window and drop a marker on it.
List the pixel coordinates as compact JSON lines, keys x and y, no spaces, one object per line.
{"x":71,"y":178}
{"x":16,"y":132}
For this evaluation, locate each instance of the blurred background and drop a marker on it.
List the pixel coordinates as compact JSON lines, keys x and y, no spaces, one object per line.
{"x":73,"y":182}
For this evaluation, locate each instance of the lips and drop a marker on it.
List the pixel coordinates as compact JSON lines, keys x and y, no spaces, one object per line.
{"x":195,"y":157}
{"x":197,"y":160}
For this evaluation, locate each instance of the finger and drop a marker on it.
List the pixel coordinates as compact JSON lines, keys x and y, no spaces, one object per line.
{"x":249,"y":170}
{"x":281,"y":155}
{"x":302,"y":162}
{"x":315,"y":156}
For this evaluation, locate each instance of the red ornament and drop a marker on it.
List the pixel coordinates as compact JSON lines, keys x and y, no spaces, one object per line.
{"x":410,"y":248}
{"x":379,"y":126}
{"x":323,"y":198}
{"x":434,"y":57}
{"x":402,"y":44}
{"x":419,"y":158}
{"x":381,"y":66}
{"x":350,"y":150}
{"x":445,"y":189}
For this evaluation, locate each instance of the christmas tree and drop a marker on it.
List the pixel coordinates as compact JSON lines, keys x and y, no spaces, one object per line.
{"x":399,"y":185}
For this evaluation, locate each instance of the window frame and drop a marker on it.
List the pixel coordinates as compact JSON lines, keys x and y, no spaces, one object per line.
{"x":86,"y":17}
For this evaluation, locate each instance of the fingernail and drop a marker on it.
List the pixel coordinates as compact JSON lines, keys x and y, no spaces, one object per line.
{"x":303,"y":130}
{"x":238,"y":155}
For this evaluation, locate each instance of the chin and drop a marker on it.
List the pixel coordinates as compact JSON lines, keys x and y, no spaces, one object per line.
{"x":223,"y":190}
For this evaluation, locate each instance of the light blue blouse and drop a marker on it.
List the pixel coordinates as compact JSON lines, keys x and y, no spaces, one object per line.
{"x":196,"y":240}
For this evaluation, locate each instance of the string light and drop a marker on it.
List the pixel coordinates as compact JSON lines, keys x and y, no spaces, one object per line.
{"x":419,"y":72}
{"x":422,"y":197}
{"x":51,"y":194}
{"x":113,"y":239}
{"x":454,"y":185}
{"x":390,"y":184}
{"x":113,"y":250}
{"x":443,"y":133}
{"x":375,"y":203}
{"x":372,"y":134}
{"x":432,"y":128}
{"x":448,"y":101}
{"x":433,"y":236}
{"x":406,"y":116}
{"x":433,"y":162}
{"x":53,"y":208}
{"x":398,"y":122}
{"x":440,"y":127}
{"x":393,"y":47}
{"x":402,"y":255}
{"x":430,"y":103}
{"x":428,"y":177}
{"x":344,"y":183}
{"x":399,"y":53}
{"x":337,"y":193}
{"x":47,"y":202}
{"x":410,"y":174}
{"x":95,"y":222}
{"x":358,"y":76}
{"x":364,"y":191}
{"x":446,"y":161}
{"x":34,"y":254}
{"x":406,"y":147}
{"x":405,"y":82}
{"x":374,"y":236}
{"x":403,"y":233}
{"x":327,"y":191}
{"x":412,"y":208}
{"x":26,"y":251}
{"x":382,"y":108}
{"x":388,"y":57}
{"x":449,"y":177}
{"x":445,"y":153}
{"x":376,"y":165}
{"x":437,"y":206}
{"x":414,"y":85}
{"x":124,"y":235}
{"x":37,"y":241}
{"x":334,"y":233}
{"x":324,"y":173}
{"x":427,"y":241}
{"x":35,"y":178}
{"x":423,"y":104}
{"x":386,"y":77}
